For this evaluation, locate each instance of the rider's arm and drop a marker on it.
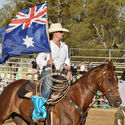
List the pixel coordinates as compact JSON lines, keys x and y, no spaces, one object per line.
{"x":42,"y":59}
{"x":67,"y":61}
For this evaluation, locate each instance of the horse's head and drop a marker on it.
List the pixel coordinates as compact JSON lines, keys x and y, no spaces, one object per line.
{"x":109,"y":84}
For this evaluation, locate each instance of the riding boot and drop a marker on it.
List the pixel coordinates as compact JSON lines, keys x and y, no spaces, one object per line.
{"x":40,"y":111}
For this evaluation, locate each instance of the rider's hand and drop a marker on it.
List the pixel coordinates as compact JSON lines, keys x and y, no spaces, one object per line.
{"x":50,"y":62}
{"x":67,"y":67}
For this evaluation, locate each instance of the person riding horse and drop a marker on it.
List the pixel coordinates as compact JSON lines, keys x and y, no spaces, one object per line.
{"x":59,"y":58}
{"x":72,"y":109}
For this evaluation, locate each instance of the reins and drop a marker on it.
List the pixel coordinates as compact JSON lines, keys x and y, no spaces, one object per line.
{"x":100,"y":84}
{"x":64,"y":89}
{"x":84,"y":114}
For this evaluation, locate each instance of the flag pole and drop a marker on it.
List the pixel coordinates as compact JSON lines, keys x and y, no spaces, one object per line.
{"x":48,"y":37}
{"x":51,"y":113}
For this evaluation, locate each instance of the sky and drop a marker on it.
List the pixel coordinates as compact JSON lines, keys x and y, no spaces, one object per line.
{"x":2,"y":2}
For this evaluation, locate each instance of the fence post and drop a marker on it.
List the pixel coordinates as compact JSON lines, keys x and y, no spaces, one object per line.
{"x":110,"y":51}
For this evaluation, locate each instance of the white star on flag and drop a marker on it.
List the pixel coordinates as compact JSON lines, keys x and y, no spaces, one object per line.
{"x":28,"y":41}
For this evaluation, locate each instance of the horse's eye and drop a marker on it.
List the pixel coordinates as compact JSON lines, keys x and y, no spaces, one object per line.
{"x":110,"y":79}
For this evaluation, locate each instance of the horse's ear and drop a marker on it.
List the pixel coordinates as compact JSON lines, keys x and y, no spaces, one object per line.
{"x":110,"y":64}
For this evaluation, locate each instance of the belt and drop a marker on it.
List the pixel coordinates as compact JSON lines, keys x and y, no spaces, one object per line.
{"x":46,"y":68}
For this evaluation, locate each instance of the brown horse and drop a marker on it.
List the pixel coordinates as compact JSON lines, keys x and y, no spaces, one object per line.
{"x":66,"y":112}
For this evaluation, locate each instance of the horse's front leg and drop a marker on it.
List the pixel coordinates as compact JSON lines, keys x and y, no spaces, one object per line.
{"x":19,"y":121}
{"x":0,"y":122}
{"x":3,"y":118}
{"x":54,"y":118}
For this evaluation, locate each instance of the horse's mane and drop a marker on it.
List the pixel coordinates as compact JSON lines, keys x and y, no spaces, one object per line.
{"x":100,"y":66}
{"x":92,"y":70}
{"x":85,"y":75}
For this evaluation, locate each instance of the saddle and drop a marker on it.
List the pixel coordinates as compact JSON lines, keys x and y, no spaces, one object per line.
{"x":28,"y":86}
{"x":59,"y":89}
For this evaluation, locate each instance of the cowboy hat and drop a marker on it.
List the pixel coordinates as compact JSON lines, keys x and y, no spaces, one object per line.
{"x":57,"y":27}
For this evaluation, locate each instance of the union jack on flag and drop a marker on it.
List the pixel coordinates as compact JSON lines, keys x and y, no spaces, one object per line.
{"x":26,"y":33}
{"x":25,"y":18}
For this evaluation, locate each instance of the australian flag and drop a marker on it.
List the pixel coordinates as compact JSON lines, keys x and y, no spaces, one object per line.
{"x":26,"y":33}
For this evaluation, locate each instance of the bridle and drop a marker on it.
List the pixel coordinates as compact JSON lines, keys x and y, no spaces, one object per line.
{"x":100,"y":85}
{"x":82,"y":113}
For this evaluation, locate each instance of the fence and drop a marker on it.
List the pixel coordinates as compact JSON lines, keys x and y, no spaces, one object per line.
{"x":99,"y":56}
{"x":16,"y":68}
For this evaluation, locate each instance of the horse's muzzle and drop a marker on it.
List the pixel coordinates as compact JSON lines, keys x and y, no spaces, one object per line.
{"x":117,"y":103}
{"x":114,"y":101}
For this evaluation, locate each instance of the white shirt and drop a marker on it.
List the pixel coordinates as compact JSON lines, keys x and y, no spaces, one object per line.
{"x":42,"y":59}
{"x":121,"y":86}
{"x":59,"y":56}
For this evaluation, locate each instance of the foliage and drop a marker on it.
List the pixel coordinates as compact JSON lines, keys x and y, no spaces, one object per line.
{"x":94,"y":24}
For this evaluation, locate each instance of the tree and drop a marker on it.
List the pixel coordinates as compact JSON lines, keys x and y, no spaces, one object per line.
{"x":101,"y":18}
{"x":92,"y":23}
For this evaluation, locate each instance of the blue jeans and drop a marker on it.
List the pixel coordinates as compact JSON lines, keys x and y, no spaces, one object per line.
{"x":46,"y":90}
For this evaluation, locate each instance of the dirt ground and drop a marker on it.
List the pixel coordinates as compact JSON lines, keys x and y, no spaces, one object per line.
{"x":101,"y":117}
{"x":95,"y":117}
